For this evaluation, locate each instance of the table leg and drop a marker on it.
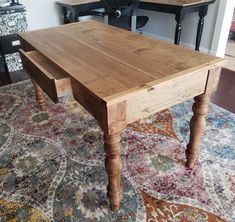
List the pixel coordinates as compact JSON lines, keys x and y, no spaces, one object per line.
{"x":39,"y":96}
{"x":202,"y":13}
{"x":197,"y":124}
{"x":65,"y":15}
{"x":179,"y":19}
{"x":112,"y":148}
{"x":75,"y":14}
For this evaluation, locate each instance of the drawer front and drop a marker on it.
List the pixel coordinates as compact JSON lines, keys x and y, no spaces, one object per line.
{"x":53,"y":81}
{"x":37,"y":73}
{"x":165,"y":95}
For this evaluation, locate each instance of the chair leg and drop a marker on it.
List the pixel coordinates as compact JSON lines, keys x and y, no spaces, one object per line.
{"x":133,"y":23}
{"x":106,"y":19}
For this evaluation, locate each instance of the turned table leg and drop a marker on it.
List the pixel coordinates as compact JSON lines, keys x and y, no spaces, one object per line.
{"x":39,"y":96}
{"x":179,"y":19}
{"x":202,"y":14}
{"x":197,"y":124}
{"x":112,"y":148}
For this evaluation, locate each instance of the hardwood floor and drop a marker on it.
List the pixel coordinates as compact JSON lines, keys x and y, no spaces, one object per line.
{"x":230,"y":55}
{"x":225,"y":94}
{"x":223,"y":97}
{"x":12,"y":77}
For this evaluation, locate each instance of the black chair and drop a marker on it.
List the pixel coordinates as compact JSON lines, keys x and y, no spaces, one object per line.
{"x":121,"y":12}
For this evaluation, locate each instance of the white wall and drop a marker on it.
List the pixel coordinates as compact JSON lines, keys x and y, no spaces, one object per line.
{"x":42,"y":14}
{"x":221,"y":31}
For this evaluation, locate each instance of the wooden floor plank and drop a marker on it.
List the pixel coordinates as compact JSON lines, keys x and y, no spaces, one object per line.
{"x":225,"y":94}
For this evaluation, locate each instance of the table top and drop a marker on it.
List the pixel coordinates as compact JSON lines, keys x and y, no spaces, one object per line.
{"x":112,"y":62}
{"x":165,"y":2}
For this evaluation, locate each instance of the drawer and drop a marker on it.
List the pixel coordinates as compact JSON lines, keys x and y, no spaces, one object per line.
{"x":47,"y":75}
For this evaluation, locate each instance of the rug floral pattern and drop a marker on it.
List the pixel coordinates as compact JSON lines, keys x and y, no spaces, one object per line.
{"x":51,"y":164}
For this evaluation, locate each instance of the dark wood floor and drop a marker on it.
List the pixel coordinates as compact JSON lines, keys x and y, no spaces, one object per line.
{"x":13,"y":77}
{"x":223,"y":97}
{"x":225,"y":94}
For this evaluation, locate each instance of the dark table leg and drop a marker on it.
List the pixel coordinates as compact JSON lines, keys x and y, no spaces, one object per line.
{"x":202,"y":13}
{"x":70,"y":14}
{"x":75,"y":14}
{"x":179,"y":17}
{"x":65,"y":15}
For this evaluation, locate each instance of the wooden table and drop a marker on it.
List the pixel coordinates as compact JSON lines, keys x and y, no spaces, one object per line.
{"x":119,"y":77}
{"x":177,"y":7}
{"x":77,"y":8}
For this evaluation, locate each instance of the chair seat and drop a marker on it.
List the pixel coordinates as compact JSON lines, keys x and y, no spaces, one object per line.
{"x":125,"y":22}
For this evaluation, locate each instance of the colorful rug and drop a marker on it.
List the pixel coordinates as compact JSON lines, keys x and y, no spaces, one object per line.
{"x":51,"y":165}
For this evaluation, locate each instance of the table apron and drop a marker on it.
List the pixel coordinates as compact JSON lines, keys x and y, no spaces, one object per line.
{"x":165,"y":95}
{"x":172,"y":9}
{"x":88,"y":6}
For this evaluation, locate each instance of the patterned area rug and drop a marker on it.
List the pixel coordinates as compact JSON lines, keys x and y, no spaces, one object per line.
{"x":51,"y":165}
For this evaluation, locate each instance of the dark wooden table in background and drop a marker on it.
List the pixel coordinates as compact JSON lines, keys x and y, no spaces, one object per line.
{"x":177,"y":7}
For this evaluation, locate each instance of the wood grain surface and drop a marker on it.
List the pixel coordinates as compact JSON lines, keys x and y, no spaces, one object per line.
{"x":113,"y":63}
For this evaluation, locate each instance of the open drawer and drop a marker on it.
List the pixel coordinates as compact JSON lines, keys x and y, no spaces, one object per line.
{"x":46,"y":74}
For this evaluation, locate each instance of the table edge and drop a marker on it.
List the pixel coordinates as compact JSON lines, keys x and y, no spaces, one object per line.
{"x":120,"y":97}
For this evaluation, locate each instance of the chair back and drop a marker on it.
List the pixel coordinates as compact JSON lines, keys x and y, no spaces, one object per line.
{"x":120,"y":8}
